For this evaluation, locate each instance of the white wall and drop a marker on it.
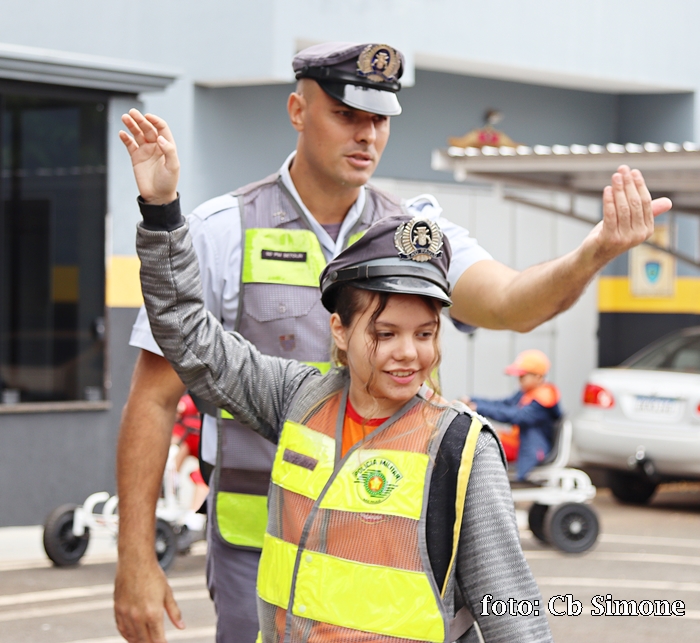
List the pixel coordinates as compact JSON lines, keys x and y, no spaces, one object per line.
{"x":647,"y":42}
{"x":608,"y":45}
{"x":519,"y":236}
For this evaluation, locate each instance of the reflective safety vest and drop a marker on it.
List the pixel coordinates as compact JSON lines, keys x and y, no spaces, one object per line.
{"x":280,"y":312}
{"x":344,"y":556}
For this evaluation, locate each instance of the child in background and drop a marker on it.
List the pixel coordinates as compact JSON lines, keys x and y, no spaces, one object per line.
{"x":534,"y":409}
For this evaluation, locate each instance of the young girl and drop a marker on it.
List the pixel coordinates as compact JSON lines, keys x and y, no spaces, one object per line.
{"x":390,"y":515}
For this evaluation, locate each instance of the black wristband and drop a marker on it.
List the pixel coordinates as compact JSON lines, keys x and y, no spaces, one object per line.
{"x":161,"y":218}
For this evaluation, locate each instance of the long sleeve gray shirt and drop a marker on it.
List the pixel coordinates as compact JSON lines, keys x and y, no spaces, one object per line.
{"x":226,"y":370}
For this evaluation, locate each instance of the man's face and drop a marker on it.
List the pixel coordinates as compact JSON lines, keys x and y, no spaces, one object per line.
{"x":340,"y":144}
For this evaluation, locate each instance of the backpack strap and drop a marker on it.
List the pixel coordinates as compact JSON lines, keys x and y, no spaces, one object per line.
{"x":463,"y":619}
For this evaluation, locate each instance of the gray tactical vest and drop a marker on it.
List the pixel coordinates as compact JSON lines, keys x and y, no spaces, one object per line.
{"x":280,"y":311}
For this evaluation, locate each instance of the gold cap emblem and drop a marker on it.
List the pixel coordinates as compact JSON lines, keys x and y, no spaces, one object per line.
{"x":379,"y":63}
{"x":418,"y":239}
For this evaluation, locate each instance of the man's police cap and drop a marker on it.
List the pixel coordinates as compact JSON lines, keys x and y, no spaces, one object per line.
{"x":396,"y":255}
{"x":362,"y":76}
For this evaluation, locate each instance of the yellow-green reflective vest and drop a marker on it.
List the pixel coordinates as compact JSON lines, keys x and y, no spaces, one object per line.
{"x":344,"y":557}
{"x":279,"y":311}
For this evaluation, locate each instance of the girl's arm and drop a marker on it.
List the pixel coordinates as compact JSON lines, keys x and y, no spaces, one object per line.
{"x":490,"y":559}
{"x":223,"y":368}
{"x":220,"y":367}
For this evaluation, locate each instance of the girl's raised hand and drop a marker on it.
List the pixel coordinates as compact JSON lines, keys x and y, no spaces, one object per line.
{"x":153,"y":156}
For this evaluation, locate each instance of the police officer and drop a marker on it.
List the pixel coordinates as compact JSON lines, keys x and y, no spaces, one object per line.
{"x":261,"y":249}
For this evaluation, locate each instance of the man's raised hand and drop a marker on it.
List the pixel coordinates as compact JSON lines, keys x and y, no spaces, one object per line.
{"x":153,"y":156}
{"x":628,"y":216}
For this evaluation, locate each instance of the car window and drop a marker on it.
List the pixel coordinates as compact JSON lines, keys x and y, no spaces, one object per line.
{"x":674,"y":354}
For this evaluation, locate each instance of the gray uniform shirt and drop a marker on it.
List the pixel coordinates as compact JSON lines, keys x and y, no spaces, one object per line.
{"x":231,"y":373}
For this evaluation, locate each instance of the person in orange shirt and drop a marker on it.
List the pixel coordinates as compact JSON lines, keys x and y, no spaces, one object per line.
{"x":534,"y":409}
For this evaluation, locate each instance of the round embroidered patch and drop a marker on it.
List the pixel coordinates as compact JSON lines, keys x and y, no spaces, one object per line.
{"x":376,"y":478}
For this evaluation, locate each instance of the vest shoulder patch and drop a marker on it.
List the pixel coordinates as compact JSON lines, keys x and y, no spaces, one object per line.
{"x":217,"y":204}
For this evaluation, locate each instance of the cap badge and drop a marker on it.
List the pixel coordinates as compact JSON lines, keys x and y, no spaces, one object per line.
{"x":418,"y":239}
{"x":378,"y":63}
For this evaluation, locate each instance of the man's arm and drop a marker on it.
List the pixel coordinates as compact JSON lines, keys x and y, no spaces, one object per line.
{"x":492,"y":295}
{"x":141,"y":590}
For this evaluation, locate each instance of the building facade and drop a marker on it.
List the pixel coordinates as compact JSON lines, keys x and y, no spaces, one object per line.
{"x":219,"y":73}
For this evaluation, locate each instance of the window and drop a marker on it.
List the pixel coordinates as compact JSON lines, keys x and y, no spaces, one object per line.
{"x":52,"y":223}
{"x":675,"y":353}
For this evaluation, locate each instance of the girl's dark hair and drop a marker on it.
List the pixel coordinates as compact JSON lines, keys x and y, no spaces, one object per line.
{"x":352,"y":301}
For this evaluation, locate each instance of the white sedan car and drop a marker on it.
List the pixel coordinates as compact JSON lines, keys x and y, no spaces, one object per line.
{"x":641,"y":420}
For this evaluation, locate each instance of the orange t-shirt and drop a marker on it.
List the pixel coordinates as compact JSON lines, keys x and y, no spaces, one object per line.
{"x":353,"y":429}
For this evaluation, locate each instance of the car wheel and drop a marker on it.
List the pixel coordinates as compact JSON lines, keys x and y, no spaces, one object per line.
{"x":630,"y":488}
{"x":60,"y":545}
{"x":571,"y":527}
{"x":535,"y":519}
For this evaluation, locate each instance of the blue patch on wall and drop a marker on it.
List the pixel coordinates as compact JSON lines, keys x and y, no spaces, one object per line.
{"x":653,"y":270}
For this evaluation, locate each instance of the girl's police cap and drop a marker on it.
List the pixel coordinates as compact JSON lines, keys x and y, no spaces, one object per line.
{"x":363,"y":76}
{"x":396,"y":255}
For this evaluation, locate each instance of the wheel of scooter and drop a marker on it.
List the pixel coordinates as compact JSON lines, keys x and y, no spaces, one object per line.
{"x":166,"y":544}
{"x":535,"y":520}
{"x":571,"y":527}
{"x":60,"y":545}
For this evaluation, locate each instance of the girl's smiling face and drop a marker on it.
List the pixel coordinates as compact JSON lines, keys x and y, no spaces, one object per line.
{"x":389,"y":356}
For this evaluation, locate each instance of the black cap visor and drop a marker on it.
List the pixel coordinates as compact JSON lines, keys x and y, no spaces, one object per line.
{"x":392,"y":285}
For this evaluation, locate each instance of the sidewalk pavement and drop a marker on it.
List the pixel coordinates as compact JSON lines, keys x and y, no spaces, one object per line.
{"x":22,"y":548}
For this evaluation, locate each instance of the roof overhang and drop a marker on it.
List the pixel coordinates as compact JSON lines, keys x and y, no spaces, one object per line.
{"x":33,"y":64}
{"x":670,"y":169}
{"x":542,"y":76}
